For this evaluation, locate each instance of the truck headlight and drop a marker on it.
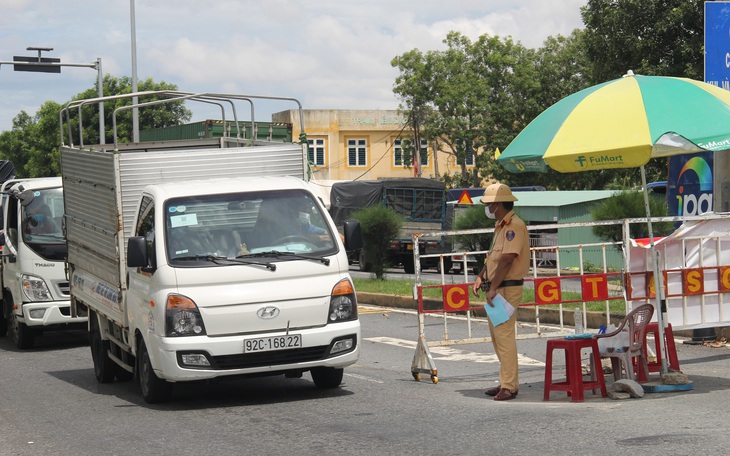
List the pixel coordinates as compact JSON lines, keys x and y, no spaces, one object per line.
{"x":343,"y":302}
{"x":34,"y":288}
{"x":182,"y":317}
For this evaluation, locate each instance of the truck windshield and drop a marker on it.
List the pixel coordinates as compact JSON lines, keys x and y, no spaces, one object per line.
{"x":202,"y":228}
{"x":41,"y":219}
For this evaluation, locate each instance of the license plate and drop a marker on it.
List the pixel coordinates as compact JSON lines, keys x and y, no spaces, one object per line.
{"x":264,"y":344}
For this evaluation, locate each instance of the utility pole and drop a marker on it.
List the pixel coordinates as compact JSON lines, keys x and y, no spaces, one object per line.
{"x":135,"y":111}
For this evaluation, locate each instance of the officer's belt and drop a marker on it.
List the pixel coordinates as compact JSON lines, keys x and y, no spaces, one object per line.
{"x":507,"y":283}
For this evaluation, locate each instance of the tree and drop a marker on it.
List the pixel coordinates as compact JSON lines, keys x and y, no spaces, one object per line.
{"x":32,"y":144}
{"x":629,"y":204}
{"x":164,"y":115}
{"x":468,"y":99}
{"x":650,"y":37}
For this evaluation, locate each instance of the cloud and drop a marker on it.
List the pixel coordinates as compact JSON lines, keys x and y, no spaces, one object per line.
{"x":331,"y":54}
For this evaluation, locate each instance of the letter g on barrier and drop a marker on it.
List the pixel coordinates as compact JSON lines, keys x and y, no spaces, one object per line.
{"x":547,"y":291}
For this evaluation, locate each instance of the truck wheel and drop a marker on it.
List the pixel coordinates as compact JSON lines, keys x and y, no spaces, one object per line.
{"x":154,"y":389}
{"x":448,"y":265}
{"x":364,"y":265}
{"x":327,"y":377}
{"x":23,"y":337}
{"x":103,"y":365}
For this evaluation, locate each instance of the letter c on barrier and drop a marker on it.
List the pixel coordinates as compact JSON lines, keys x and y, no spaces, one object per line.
{"x":456,"y":297}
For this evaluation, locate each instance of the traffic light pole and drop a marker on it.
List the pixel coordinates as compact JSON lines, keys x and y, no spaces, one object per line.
{"x":40,"y":65}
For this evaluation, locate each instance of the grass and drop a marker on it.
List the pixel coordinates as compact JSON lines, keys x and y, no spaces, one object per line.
{"x":399,"y":287}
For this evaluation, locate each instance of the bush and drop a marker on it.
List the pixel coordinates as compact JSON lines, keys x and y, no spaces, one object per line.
{"x":629,"y":204}
{"x":380,"y":226}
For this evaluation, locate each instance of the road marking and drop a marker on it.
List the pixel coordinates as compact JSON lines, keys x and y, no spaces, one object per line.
{"x":453,"y":354}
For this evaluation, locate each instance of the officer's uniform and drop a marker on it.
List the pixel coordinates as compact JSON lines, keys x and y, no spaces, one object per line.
{"x":510,"y":236}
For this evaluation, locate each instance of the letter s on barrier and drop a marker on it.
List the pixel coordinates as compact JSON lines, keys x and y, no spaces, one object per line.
{"x":693,"y":281}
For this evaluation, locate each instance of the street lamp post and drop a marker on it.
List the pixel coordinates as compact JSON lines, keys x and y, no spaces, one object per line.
{"x":40,"y":64}
{"x":135,"y":112}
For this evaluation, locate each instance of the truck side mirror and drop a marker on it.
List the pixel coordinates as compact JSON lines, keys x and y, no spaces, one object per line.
{"x":137,"y":252}
{"x":353,"y":235}
{"x":26,"y":197}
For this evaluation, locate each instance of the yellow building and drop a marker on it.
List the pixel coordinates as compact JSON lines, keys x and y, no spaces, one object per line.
{"x":363,"y":145}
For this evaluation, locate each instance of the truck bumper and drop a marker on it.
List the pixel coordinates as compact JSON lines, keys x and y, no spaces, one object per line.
{"x":39,"y":314}
{"x":226,"y":356}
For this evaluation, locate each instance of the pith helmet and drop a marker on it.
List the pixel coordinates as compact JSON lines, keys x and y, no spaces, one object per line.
{"x":497,"y":193}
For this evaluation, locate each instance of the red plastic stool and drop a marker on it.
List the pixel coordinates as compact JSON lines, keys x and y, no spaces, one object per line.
{"x":653,"y":328}
{"x":574,"y":384}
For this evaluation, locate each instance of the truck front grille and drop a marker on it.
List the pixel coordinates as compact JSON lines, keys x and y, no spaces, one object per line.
{"x":64,"y":289}
{"x":272,"y":358}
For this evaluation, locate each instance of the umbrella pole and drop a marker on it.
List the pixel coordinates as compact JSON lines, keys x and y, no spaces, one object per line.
{"x":658,"y":284}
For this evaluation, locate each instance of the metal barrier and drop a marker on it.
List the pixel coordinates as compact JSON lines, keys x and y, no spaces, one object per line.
{"x":558,"y":285}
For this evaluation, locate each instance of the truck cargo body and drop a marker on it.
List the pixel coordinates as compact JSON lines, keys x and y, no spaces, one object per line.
{"x":203,"y":259}
{"x":35,"y":291}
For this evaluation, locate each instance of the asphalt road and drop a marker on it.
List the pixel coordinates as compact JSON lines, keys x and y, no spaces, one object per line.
{"x":51,"y":404}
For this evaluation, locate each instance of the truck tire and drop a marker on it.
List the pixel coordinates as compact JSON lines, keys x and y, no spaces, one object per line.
{"x":448,"y":265}
{"x":23,"y":337}
{"x":364,"y":265}
{"x":327,"y":377}
{"x":154,"y":389}
{"x":103,"y":365}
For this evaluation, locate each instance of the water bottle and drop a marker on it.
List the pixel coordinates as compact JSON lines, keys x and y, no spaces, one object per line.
{"x":578,"y":316}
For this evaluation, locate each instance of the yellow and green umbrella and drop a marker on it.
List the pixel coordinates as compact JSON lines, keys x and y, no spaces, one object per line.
{"x":622,"y":124}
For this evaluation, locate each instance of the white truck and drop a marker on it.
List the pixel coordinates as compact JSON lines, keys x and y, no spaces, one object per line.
{"x":35,"y":290}
{"x":206,"y":258}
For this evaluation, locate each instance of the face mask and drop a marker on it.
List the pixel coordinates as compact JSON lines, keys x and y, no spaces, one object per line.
{"x":488,"y":213}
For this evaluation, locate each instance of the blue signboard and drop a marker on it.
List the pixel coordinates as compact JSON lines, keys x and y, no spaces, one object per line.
{"x":689,"y":185}
{"x":717,"y":44}
{"x":690,"y":180}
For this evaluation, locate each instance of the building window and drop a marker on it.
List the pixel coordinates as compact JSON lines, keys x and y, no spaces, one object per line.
{"x":399,"y":156}
{"x":469,"y":159}
{"x":357,"y":152}
{"x":424,"y":152}
{"x":316,"y":151}
{"x":398,"y":152}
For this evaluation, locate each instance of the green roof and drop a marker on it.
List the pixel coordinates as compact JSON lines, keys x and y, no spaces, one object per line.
{"x":560,"y":197}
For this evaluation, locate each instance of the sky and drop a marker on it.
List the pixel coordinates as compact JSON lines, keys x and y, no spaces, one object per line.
{"x":328,"y":54}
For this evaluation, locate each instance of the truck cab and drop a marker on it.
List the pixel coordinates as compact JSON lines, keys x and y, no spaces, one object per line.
{"x":35,"y":291}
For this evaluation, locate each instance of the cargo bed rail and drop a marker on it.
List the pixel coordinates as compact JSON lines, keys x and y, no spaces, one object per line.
{"x":156,"y":98}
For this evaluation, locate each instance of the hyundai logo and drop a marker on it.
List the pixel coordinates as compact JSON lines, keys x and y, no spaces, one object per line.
{"x":268,"y":312}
